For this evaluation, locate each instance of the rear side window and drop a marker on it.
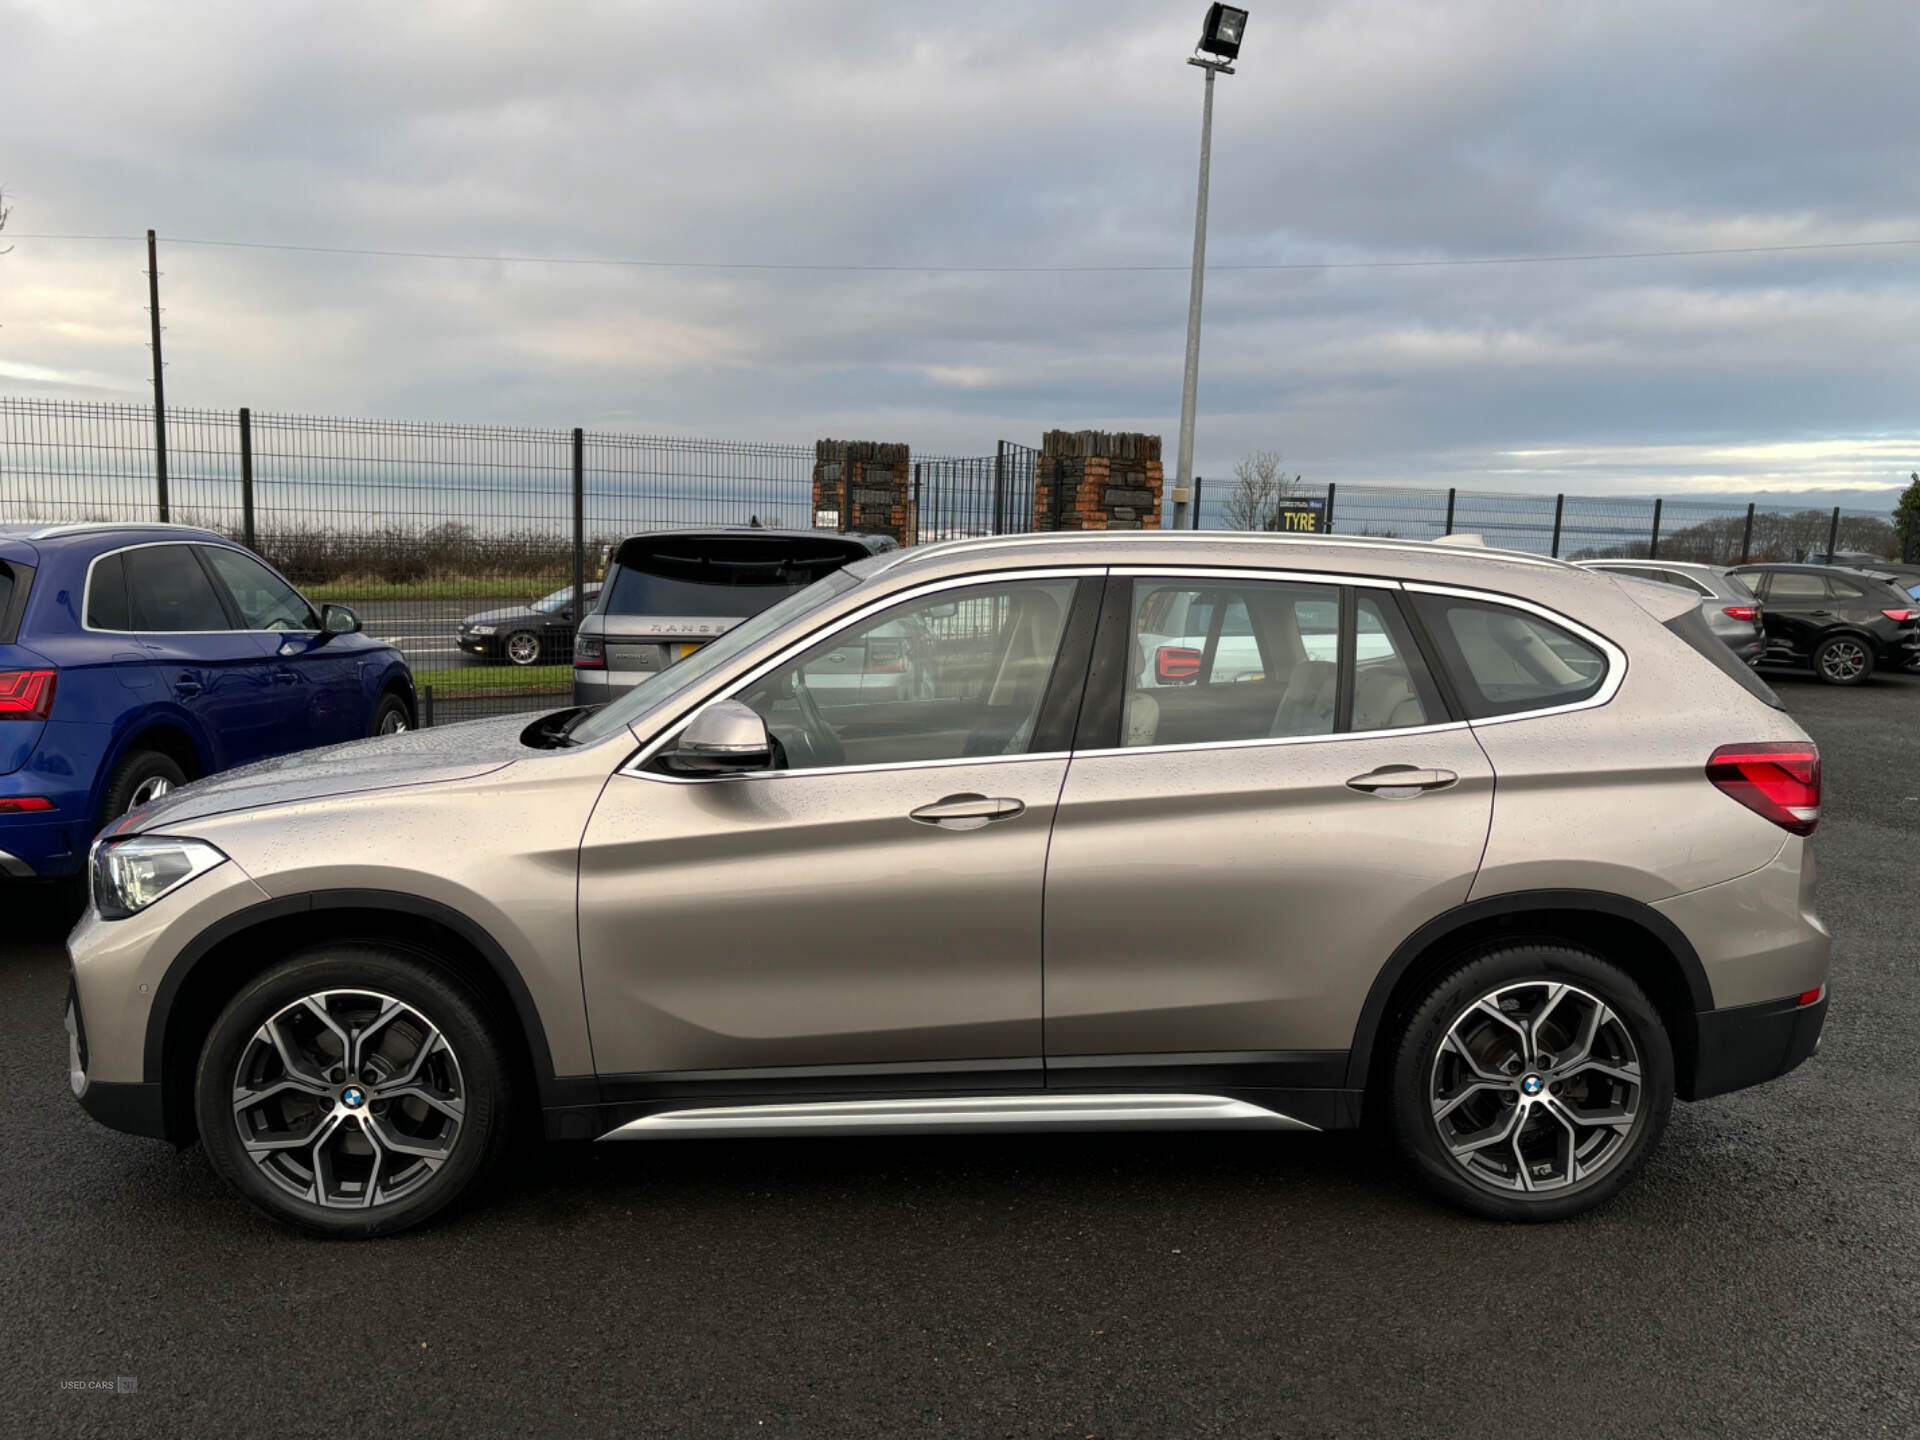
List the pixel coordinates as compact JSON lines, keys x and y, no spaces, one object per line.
{"x":1506,"y":661}
{"x":107,"y":595}
{"x":1741,"y":584}
{"x":169,"y":593}
{"x":1791,"y":585}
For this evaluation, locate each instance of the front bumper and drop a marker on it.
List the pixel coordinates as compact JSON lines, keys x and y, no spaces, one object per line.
{"x":1749,"y":1044}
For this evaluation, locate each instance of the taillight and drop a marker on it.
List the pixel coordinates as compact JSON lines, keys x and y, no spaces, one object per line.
{"x":23,"y":804}
{"x":1779,"y":780}
{"x":1812,"y":997}
{"x":1748,"y":613}
{"x":1900,"y":616}
{"x":588,"y":653}
{"x":1176,"y":664}
{"x":26,"y":694}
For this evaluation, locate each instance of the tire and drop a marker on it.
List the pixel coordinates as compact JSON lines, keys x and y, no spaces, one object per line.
{"x":1843,"y":660}
{"x":1559,"y":1169}
{"x":522,"y":648}
{"x":140,"y":777}
{"x":429,"y":1142}
{"x":391,"y":716}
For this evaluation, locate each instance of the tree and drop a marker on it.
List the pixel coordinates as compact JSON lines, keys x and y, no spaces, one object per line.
{"x":1259,"y":480}
{"x":1906,"y":520}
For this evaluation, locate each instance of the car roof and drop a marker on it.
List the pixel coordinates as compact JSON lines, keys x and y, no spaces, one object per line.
{"x":82,"y":531}
{"x":1656,"y":564}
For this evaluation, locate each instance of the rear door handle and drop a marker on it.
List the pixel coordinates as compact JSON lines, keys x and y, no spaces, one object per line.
{"x":966,"y":812}
{"x":1397,"y":781}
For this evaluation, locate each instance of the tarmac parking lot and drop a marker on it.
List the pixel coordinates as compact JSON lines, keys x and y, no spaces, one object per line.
{"x":1760,"y":1280}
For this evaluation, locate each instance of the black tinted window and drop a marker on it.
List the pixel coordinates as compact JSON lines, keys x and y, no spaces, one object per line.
{"x":1846,"y":589}
{"x":1793,"y":585}
{"x":170,"y":593}
{"x":1505,"y":661}
{"x":107,"y":595}
{"x":6,"y":586}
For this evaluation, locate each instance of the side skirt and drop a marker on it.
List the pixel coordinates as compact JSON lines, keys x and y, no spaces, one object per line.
{"x":999,"y":1114}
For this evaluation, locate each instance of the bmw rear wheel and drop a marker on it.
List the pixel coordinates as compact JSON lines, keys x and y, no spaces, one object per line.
{"x":353,"y":1091}
{"x":1531,"y":1083}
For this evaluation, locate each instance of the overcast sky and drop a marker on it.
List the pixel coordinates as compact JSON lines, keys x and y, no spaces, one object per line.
{"x":1058,"y":133}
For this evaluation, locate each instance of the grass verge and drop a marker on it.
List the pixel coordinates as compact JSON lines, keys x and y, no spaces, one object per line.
{"x":479,"y":681}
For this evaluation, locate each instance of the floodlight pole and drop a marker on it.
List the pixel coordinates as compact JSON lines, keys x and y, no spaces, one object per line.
{"x":1190,"y":385}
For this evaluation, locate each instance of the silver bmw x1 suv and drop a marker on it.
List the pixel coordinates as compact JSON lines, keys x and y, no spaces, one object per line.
{"x":1495,"y":852}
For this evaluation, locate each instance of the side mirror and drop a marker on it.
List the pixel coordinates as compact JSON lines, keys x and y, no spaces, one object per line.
{"x":724,"y":738}
{"x":1176,"y":664}
{"x":337,"y":620}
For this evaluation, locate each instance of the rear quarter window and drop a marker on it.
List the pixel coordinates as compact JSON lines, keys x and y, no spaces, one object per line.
{"x":107,"y":595}
{"x":1506,"y":661}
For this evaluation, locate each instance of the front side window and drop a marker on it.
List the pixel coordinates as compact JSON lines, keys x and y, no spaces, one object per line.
{"x":169,"y":593}
{"x":265,"y":601}
{"x":957,"y":674}
{"x":1505,"y":661}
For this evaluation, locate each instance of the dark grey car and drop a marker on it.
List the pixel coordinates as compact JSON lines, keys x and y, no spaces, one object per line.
{"x":669,"y":592}
{"x":540,"y":630}
{"x":1726,"y":601}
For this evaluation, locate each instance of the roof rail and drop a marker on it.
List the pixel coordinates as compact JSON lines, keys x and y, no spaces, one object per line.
{"x":1230,"y":537}
{"x":81,"y":527}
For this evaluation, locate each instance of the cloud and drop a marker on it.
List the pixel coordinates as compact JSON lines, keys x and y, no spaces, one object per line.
{"x":999,"y":134}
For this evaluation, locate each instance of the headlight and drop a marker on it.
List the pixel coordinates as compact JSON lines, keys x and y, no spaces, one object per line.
{"x":130,"y":874}
{"x":480,"y":629}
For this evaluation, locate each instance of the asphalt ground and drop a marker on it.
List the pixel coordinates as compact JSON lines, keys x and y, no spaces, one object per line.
{"x":1759,"y":1281}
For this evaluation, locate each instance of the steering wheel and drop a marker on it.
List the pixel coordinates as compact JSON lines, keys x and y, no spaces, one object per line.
{"x":821,"y":738}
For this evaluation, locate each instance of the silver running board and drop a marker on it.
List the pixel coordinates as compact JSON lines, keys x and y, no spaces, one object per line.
{"x":1002,"y":1114}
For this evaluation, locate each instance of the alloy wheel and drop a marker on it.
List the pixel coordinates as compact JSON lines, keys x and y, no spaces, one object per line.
{"x":1536,"y":1087}
{"x":149,"y":790}
{"x":1843,"y":660}
{"x":348,"y":1099}
{"x":523,"y":648}
{"x":393,"y":722}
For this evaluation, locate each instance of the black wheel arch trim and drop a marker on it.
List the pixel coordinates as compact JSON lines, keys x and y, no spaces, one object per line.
{"x":552,"y":1090}
{"x":1373,"y":1013}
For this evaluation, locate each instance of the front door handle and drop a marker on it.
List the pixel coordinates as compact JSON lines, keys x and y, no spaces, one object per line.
{"x":1398,"y":781}
{"x":186,"y":687}
{"x":285,"y":676}
{"x":966,"y":812}
{"x":1820,"y":614}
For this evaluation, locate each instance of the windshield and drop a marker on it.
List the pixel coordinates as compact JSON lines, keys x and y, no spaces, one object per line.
{"x":547,"y":604}
{"x":657,"y":689}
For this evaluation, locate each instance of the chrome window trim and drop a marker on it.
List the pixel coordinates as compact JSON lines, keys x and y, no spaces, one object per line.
{"x":1615,"y":657}
{"x":1228,"y":572}
{"x":634,"y":765}
{"x":1261,"y":741}
{"x":86,"y":596}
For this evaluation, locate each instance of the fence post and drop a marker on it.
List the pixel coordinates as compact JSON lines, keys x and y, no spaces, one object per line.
{"x":1449,"y":529}
{"x":159,"y":382}
{"x":916,"y":503}
{"x":1196,"y":502}
{"x":1559,"y":509}
{"x":246,"y":477}
{"x":1329,"y":515}
{"x":999,"y":488}
{"x":579,"y":527}
{"x":1833,"y":534}
{"x":1653,"y":545}
{"x":1746,"y":539}
{"x":426,"y":706}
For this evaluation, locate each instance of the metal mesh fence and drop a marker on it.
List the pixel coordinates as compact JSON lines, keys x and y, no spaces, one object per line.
{"x":458,"y":542}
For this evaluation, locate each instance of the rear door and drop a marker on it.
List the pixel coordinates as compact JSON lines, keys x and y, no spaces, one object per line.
{"x":1236,"y":855}
{"x":220,"y":673}
{"x":1798,"y":609}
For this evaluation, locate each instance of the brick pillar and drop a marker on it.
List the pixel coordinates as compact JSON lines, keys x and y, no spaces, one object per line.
{"x":870,"y":482}
{"x":1091,"y":480}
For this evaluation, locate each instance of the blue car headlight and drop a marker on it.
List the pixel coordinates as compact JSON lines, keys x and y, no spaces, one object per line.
{"x":130,"y":874}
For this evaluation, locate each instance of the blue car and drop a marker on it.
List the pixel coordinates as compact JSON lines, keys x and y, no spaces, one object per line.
{"x":134,"y":658}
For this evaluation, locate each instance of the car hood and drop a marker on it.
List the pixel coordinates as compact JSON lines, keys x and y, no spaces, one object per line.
{"x":494,"y":617}
{"x":416,"y":757}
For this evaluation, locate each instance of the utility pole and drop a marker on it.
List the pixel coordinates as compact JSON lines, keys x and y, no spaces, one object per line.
{"x":1220,"y":39}
{"x":159,"y":382}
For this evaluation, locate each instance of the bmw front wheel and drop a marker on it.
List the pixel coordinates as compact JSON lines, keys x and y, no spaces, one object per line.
{"x":353,"y":1091}
{"x":1531,"y":1083}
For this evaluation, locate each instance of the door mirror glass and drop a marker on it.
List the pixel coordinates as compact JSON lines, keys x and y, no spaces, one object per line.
{"x":338,"y":620}
{"x":726,"y":736}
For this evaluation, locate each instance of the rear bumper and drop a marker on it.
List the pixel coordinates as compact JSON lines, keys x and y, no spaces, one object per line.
{"x":1748,"y":1044}
{"x":597,"y":687}
{"x":63,"y":768}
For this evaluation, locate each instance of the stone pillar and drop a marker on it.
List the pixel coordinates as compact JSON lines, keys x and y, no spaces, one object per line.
{"x":864,"y":486}
{"x":1090,"y":480}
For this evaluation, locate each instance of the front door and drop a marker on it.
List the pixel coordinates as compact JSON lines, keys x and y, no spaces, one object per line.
{"x":315,"y":678}
{"x":873,"y":900}
{"x":1240,"y":845}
